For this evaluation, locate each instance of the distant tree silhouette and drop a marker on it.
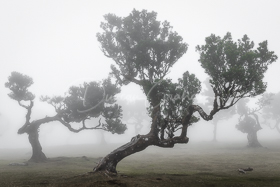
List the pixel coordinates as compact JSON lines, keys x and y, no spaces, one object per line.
{"x":249,"y":119}
{"x":70,"y":109}
{"x":135,"y":113}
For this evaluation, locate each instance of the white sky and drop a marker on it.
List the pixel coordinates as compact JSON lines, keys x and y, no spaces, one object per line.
{"x":54,"y":41}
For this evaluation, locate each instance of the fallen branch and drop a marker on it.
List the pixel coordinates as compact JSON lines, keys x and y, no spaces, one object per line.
{"x":243,"y":170}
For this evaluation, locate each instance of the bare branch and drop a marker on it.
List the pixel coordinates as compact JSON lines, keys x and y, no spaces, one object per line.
{"x":68,"y":125}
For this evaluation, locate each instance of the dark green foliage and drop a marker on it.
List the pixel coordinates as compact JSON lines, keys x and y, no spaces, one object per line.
{"x":178,"y":97}
{"x":140,"y":45}
{"x":91,"y":100}
{"x":19,"y":84}
{"x":236,"y":69}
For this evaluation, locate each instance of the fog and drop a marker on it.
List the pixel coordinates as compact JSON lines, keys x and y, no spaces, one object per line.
{"x":54,"y":42}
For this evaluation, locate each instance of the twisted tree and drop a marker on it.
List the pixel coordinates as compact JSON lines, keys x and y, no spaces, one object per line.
{"x":70,"y":110}
{"x":144,"y":50}
{"x":249,"y":122}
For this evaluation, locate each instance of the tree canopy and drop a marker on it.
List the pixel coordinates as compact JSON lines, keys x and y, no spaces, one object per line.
{"x":19,"y":84}
{"x":236,"y":68}
{"x":142,"y":47}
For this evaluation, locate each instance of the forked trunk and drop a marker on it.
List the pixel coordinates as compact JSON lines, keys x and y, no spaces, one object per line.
{"x":37,"y":153}
{"x":109,"y":163}
{"x":253,"y":139}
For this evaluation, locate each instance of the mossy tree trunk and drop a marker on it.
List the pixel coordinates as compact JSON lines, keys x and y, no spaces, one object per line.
{"x":37,"y":153}
{"x":253,"y":139}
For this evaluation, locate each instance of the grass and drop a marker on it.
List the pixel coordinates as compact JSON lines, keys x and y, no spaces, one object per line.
{"x":203,"y":164}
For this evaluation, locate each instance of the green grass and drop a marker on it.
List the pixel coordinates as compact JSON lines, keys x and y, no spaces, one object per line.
{"x":204,"y":164}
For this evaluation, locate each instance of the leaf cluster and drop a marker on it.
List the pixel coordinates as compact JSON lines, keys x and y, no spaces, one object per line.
{"x":175,"y":101}
{"x":236,"y":69}
{"x":90,"y":100}
{"x":141,"y":46}
{"x":247,"y":125}
{"x":19,"y":84}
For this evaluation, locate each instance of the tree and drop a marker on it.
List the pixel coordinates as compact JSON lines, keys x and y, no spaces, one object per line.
{"x":272,"y":112}
{"x":70,"y":109}
{"x":222,"y":115}
{"x":248,"y":124}
{"x":145,"y":49}
{"x":135,"y":113}
{"x":249,"y":119}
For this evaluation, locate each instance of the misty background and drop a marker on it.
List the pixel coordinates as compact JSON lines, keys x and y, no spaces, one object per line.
{"x":54,"y":42}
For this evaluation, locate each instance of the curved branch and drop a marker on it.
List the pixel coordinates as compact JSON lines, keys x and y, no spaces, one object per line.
{"x":201,"y":112}
{"x":132,"y":79}
{"x":26,"y":107}
{"x":92,"y":108}
{"x":80,"y":129}
{"x":27,"y":117}
{"x":168,"y":143}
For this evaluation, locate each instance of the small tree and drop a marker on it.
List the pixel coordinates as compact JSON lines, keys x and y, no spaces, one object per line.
{"x":272,"y":112}
{"x":69,"y":110}
{"x":144,"y":51}
{"x":249,"y":119}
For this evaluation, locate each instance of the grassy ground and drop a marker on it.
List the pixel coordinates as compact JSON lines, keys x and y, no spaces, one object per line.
{"x":203,"y":164}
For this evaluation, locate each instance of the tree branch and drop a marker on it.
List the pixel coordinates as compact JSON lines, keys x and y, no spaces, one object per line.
{"x":80,"y":129}
{"x":169,"y":143}
{"x":27,"y":117}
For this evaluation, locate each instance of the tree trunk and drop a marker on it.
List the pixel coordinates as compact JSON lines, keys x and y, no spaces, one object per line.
{"x":253,"y":139}
{"x":109,"y":163}
{"x":37,"y":153}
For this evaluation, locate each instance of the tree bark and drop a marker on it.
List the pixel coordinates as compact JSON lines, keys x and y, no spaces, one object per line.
{"x":109,"y":163}
{"x":37,"y":153}
{"x":253,"y":139}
